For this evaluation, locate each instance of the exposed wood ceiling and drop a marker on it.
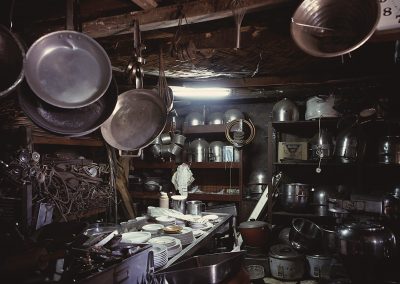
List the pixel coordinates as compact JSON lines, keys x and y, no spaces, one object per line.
{"x":268,"y":55}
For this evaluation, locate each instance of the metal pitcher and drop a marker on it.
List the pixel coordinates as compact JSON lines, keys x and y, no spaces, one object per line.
{"x":194,"y":207}
{"x":215,"y":152}
{"x":199,"y":149}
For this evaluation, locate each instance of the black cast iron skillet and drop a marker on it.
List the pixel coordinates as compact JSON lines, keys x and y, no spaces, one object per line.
{"x":69,"y":122}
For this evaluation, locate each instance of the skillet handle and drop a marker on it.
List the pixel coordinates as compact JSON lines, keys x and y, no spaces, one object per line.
{"x":131,"y":154}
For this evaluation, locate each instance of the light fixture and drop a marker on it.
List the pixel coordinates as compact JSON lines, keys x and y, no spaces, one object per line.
{"x":200,"y":93}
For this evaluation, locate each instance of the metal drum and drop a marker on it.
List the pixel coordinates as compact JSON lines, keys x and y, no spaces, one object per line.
{"x":216,"y":151}
{"x":389,"y":150}
{"x":199,"y":149}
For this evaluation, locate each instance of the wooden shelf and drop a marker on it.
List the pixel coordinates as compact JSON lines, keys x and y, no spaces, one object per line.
{"x":173,"y":165}
{"x":215,"y":197}
{"x":299,"y":215}
{"x":67,"y":141}
{"x":305,"y":125}
{"x":314,"y":164}
{"x":204,"y":129}
{"x":138,"y":164}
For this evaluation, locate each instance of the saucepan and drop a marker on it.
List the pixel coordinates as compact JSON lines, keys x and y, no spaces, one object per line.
{"x":68,"y":69}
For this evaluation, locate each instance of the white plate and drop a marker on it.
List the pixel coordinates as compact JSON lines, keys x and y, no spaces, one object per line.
{"x":165,"y":219}
{"x":136,"y":237}
{"x":164,"y":240}
{"x":211,"y":217}
{"x":153,"y":228}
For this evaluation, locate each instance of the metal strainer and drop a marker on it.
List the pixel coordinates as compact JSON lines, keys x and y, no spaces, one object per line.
{"x":329,"y":28}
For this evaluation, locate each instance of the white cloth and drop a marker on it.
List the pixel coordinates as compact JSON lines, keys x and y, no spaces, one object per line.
{"x":182,"y":178}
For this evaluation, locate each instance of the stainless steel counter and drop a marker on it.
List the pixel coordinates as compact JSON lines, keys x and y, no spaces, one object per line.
{"x":190,"y":250}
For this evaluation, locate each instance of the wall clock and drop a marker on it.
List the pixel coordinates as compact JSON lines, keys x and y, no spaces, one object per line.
{"x":390,"y":15}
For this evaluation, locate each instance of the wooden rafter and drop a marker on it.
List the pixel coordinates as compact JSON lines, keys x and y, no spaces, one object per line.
{"x":145,"y":4}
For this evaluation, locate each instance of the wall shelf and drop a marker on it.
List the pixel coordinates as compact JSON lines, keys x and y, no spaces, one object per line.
{"x":173,"y":165}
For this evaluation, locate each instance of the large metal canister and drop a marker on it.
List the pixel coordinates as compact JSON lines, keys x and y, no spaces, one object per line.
{"x":389,"y":150}
{"x":199,"y":150}
{"x":216,"y":151}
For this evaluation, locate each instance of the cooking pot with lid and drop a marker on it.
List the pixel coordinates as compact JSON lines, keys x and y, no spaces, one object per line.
{"x":285,"y":263}
{"x":255,"y":233}
{"x":320,"y":106}
{"x":285,"y":110}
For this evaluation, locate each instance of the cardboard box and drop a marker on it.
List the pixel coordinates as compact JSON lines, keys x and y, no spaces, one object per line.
{"x":292,"y":150}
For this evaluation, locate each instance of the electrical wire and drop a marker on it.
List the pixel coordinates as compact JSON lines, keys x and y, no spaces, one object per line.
{"x":239,"y":140}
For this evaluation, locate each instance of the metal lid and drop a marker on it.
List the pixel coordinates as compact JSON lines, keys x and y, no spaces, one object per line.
{"x":365,"y":226}
{"x":284,"y":252}
{"x":319,"y":256}
{"x":252,"y":224}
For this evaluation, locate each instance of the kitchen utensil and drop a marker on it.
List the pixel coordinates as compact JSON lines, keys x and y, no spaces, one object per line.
{"x":68,"y":69}
{"x":391,"y":205}
{"x":215,"y":151}
{"x":12,"y":54}
{"x":138,"y":118}
{"x":318,"y":266}
{"x":175,"y":149}
{"x":178,"y":203}
{"x":285,"y":110}
{"x":199,"y":149}
{"x":329,"y":239}
{"x":209,"y":268}
{"x":331,"y":28}
{"x":346,"y":148}
{"x":255,"y":233}
{"x":367,"y":239}
{"x":305,"y":235}
{"x":69,"y":122}
{"x":232,"y":114}
{"x":285,"y":263}
{"x":165,"y":138}
{"x":215,"y":118}
{"x":320,"y":107}
{"x":295,"y":197}
{"x":255,"y":271}
{"x":339,"y":213}
{"x":194,"y":118}
{"x":389,"y":150}
{"x":178,"y":139}
{"x":195,"y":207}
{"x":100,"y":228}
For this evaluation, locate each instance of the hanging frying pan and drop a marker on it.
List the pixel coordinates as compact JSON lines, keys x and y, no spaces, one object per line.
{"x":68,"y":69}
{"x":69,"y":122}
{"x":12,"y":55}
{"x":138,"y":118}
{"x":140,"y":115}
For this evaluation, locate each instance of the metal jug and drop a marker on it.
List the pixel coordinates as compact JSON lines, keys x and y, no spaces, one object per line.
{"x":347,"y":145}
{"x":199,"y":149}
{"x":215,"y":152}
{"x":321,"y":145}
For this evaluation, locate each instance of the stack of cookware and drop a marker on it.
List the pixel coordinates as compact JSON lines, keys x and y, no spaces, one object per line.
{"x":68,"y":91}
{"x":363,"y":247}
{"x":196,"y":118}
{"x":167,"y":145}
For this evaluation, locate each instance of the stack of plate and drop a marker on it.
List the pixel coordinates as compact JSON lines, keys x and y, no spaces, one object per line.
{"x":180,"y":223}
{"x":202,"y":226}
{"x":185,"y":236}
{"x":136,"y":237}
{"x":165,"y":220}
{"x":198,"y":233}
{"x":160,"y":255}
{"x":153,"y":229}
{"x":212,"y":218}
{"x":173,"y":245}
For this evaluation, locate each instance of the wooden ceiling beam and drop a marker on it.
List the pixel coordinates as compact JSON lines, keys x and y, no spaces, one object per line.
{"x":145,"y":4}
{"x":164,"y":17}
